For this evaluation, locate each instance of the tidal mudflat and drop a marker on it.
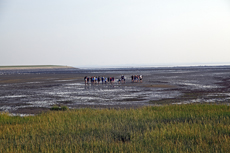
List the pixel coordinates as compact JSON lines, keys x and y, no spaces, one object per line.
{"x":35,"y":90}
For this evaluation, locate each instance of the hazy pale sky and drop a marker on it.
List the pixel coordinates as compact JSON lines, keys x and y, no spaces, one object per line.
{"x":114,"y":33}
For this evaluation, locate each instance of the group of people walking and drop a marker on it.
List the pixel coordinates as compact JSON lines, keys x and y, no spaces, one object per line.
{"x":136,"y":78}
{"x":94,"y":79}
{"x":98,"y":79}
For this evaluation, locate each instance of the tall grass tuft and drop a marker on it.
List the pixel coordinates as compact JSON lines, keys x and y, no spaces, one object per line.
{"x":173,"y":128}
{"x":59,"y":108}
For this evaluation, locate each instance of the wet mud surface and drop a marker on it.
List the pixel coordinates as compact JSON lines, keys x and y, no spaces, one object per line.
{"x":35,"y":91}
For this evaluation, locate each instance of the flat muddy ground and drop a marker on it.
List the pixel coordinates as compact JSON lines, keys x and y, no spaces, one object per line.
{"x":33,"y":91}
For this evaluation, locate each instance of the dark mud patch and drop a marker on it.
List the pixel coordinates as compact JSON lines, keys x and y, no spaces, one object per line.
{"x":158,"y":82}
{"x":150,"y":85}
{"x":65,"y":102}
{"x":159,"y":86}
{"x":132,"y":99}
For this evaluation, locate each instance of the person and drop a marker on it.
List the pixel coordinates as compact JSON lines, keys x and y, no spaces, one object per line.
{"x":132,"y":78}
{"x":110,"y":79}
{"x":141,"y":78}
{"x":122,"y":78}
{"x":119,"y":81}
{"x":135,"y":78}
{"x":98,"y":79}
{"x":105,"y":80}
{"x":102,"y":79}
{"x":85,"y":78}
{"x":93,"y":79}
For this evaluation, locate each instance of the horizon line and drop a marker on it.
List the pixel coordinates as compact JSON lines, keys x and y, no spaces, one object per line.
{"x":155,"y":65}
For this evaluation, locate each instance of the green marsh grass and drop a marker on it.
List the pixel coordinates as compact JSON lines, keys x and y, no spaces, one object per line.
{"x":173,"y":128}
{"x":59,"y":108}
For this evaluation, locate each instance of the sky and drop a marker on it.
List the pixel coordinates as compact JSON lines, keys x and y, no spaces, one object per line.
{"x":104,"y":33}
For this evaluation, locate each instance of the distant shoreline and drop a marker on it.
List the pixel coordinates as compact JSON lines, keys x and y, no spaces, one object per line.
{"x":31,"y":67}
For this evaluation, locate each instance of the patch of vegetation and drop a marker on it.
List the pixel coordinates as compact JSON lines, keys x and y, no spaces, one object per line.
{"x":121,"y":136}
{"x":173,"y":128}
{"x":59,"y":108}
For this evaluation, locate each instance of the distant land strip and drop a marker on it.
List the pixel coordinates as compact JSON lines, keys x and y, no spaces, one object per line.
{"x":18,"y":67}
